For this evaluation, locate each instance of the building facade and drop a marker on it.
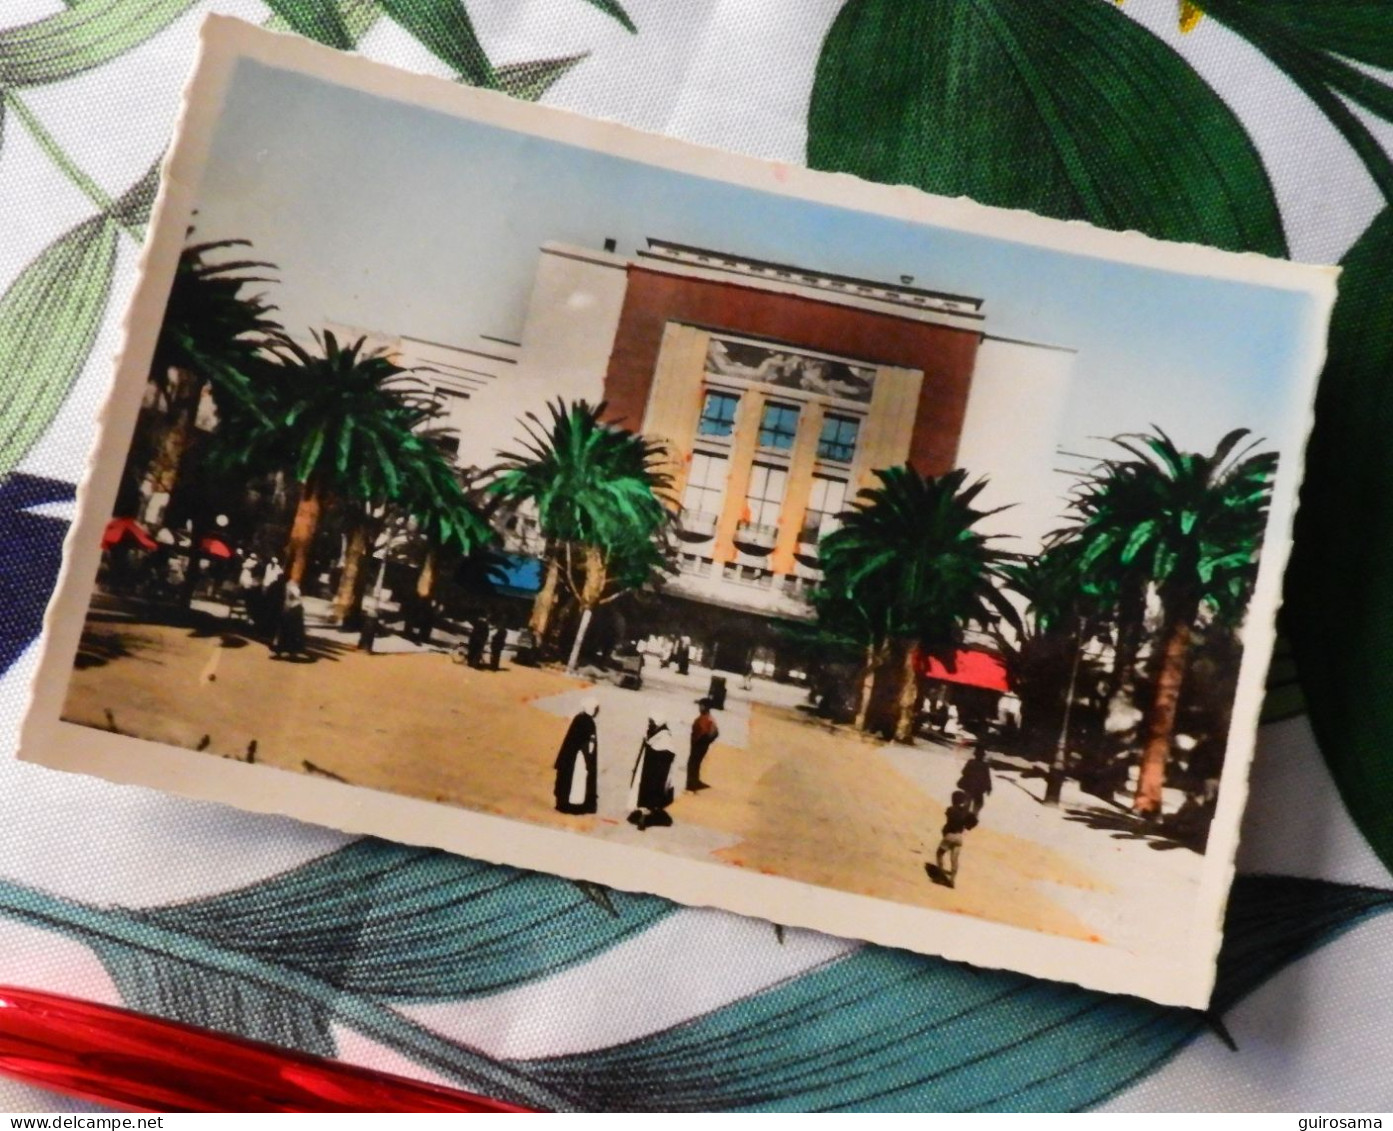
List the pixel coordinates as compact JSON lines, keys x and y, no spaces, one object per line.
{"x":777,"y":392}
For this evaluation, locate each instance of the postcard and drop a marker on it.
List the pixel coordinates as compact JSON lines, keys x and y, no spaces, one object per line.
{"x":482,"y":476}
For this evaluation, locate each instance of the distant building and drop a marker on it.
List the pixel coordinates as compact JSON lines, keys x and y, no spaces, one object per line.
{"x":778,"y":391}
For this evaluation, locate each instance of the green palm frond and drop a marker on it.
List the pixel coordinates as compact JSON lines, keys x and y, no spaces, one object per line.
{"x":908,"y":563}
{"x":1188,"y":523}
{"x":211,"y":327}
{"x":591,"y":484}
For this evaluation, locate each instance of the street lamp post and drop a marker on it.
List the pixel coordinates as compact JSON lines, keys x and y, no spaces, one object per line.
{"x":1054,"y":783}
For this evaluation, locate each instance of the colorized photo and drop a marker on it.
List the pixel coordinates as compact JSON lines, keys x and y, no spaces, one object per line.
{"x":754,"y":537}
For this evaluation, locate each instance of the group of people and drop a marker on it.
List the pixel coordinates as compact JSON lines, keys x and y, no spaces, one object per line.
{"x":961,"y":817}
{"x":275,"y":606}
{"x":651,"y":782}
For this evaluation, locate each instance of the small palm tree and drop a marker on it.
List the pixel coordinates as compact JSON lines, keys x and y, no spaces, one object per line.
{"x":908,"y":567}
{"x":1192,"y":525}
{"x":212,"y":332}
{"x":450,"y":516}
{"x":601,"y":500}
{"x":1059,"y":619}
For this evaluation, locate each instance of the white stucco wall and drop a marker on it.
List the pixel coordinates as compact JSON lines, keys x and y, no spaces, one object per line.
{"x":572,"y":320}
{"x":1010,"y":433}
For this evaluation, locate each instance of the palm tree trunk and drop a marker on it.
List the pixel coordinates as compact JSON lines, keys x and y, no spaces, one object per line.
{"x":863,"y":702}
{"x":302,"y":531}
{"x":185,"y":390}
{"x":545,"y":603}
{"x":579,"y":640}
{"x":907,"y":721}
{"x":348,"y":601}
{"x":592,"y":592}
{"x":425,"y":580}
{"x":1160,"y":721}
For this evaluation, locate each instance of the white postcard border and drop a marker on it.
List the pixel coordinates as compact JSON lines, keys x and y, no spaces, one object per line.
{"x":1187,"y":979}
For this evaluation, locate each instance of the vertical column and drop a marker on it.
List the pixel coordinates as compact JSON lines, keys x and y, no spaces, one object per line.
{"x":888,"y":430}
{"x":743,"y":443}
{"x":800,"y":484}
{"x":674,"y":401}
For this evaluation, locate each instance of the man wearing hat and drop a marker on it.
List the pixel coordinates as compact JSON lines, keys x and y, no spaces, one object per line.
{"x":704,"y":733}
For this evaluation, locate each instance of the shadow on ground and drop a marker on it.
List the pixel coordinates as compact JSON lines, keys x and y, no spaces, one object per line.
{"x":102,"y":645}
{"x":1126,"y":825}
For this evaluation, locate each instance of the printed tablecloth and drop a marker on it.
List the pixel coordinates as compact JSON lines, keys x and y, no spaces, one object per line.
{"x":1251,"y":124}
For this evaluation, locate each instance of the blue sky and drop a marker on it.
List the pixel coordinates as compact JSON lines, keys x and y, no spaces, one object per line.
{"x":404,"y":220}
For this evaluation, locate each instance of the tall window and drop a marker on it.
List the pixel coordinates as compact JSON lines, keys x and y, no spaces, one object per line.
{"x":765,"y":495}
{"x":706,"y":485}
{"x":826,"y":500}
{"x":838,"y":438}
{"x":718,"y":414}
{"x":779,"y":426}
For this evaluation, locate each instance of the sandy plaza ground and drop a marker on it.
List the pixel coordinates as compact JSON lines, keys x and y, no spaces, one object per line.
{"x":789,"y":795}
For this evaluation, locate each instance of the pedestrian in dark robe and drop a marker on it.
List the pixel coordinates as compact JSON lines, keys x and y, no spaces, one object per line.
{"x":496,"y":645}
{"x":269,"y":604}
{"x":478,"y":641}
{"x":650,"y":784}
{"x":290,"y":628}
{"x":577,"y":789}
{"x":976,"y":779}
{"x":957,"y":820}
{"x":682,"y":656}
{"x":704,"y":733}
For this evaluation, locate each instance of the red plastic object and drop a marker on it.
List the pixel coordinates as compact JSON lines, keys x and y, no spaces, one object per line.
{"x":141,"y":1063}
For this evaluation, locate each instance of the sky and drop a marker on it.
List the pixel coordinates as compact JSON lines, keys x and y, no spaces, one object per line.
{"x":407,"y":221}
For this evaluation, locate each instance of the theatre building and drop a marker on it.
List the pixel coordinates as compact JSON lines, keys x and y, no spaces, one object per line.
{"x":778,"y":391}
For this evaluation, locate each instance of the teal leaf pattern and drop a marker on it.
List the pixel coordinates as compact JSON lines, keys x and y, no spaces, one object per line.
{"x":1339,"y":602}
{"x":85,"y":35}
{"x":286,"y":959}
{"x":65,"y":286}
{"x":411,"y":924}
{"x":887,"y":1030}
{"x":1070,"y":109}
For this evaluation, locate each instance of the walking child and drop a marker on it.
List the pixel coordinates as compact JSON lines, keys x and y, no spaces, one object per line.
{"x":957,"y":820}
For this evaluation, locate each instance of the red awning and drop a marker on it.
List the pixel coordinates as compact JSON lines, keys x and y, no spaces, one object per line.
{"x":119,"y":530}
{"x":976,"y":669}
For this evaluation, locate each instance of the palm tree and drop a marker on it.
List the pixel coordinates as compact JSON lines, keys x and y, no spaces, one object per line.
{"x":344,"y":424}
{"x":450,"y":516}
{"x":211,"y":332}
{"x":907,"y":567}
{"x":601,"y":500}
{"x":1059,"y":619}
{"x":1192,"y":525}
